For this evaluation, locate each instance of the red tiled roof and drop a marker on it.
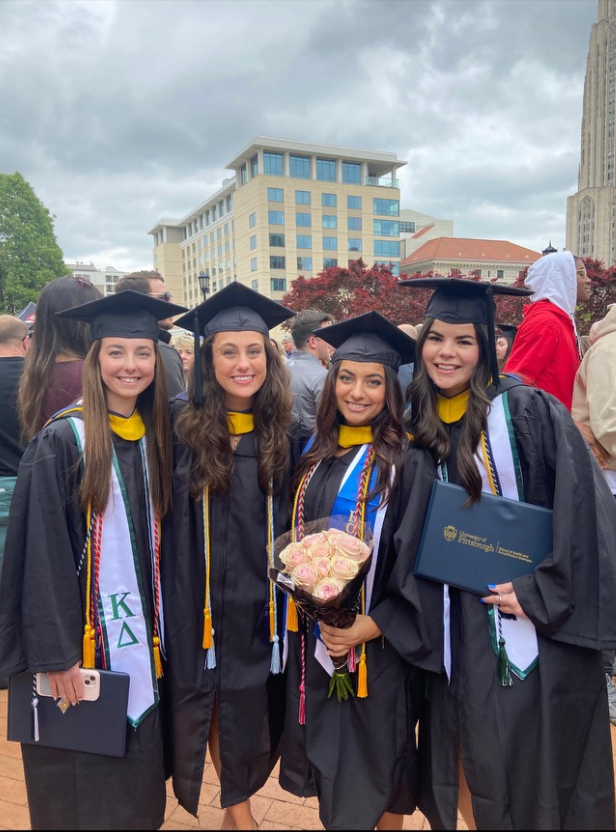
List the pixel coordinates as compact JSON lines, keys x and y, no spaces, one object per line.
{"x":460,"y":248}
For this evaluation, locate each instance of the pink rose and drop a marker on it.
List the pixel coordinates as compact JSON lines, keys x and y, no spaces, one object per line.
{"x":318,"y":551}
{"x":311,"y":539}
{"x":343,"y":568}
{"x":349,"y":546}
{"x":327,"y":589}
{"x":292,"y":555}
{"x":322,"y":566}
{"x":304,"y":576}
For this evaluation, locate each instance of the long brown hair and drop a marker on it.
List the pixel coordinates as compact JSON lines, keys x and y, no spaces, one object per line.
{"x":426,"y":426}
{"x":51,"y":336}
{"x":389,"y":438}
{"x":205,"y":430}
{"x":153,"y":407}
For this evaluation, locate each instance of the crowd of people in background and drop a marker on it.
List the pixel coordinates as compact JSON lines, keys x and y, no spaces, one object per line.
{"x":150,"y":464}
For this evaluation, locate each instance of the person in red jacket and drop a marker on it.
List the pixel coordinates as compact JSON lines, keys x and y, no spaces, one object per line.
{"x":546,"y":351}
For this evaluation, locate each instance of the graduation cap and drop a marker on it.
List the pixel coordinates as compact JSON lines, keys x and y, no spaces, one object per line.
{"x":369,"y":338}
{"x":459,"y":301}
{"x":126,"y":314}
{"x":507,"y":330}
{"x":235,"y":308}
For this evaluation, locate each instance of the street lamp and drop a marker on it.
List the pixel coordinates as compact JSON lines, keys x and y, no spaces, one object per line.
{"x":204,"y":283}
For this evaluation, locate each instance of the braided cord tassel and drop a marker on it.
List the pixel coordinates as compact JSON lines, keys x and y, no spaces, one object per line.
{"x":276,"y":665}
{"x":88,"y":645}
{"x":208,"y":631}
{"x":297,"y":526}
{"x":158,"y":665}
{"x":359,"y":529}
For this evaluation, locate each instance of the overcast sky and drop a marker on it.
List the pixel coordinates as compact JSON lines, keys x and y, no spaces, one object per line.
{"x":119,"y":113}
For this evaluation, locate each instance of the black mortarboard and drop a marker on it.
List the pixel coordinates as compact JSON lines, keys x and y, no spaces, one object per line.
{"x":126,"y":314}
{"x":508,"y":330}
{"x":459,"y":301}
{"x":369,"y":338}
{"x":236,"y":308}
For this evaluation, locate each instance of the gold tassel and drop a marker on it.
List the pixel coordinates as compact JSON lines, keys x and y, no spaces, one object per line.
{"x":89,"y":648}
{"x":207,"y":629}
{"x":292,"y":623}
{"x":272,"y":621}
{"x":362,"y":676}
{"x":158,"y":665}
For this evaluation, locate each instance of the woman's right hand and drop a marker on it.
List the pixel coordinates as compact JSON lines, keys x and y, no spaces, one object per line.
{"x":67,"y":684}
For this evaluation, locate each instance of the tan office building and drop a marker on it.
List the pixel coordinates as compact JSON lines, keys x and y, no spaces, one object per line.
{"x":290,"y":208}
{"x":591,"y":212}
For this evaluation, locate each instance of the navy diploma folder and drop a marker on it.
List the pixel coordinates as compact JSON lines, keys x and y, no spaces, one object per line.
{"x":492,"y":542}
{"x":98,"y":727}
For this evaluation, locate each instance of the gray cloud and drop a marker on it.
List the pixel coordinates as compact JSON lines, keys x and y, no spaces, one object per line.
{"x":121,"y":113}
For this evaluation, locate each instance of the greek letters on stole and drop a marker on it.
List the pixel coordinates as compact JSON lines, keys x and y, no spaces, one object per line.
{"x":126,"y":630}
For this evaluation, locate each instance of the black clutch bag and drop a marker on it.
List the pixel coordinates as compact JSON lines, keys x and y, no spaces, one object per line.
{"x":492,"y":542}
{"x":98,"y":726}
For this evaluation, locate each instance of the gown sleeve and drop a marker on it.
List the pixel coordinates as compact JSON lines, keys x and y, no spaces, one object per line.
{"x":571,"y":595}
{"x":408,"y":612}
{"x":41,"y":617}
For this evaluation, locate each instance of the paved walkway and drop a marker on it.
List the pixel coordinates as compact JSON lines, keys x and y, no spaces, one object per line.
{"x":273,"y":808}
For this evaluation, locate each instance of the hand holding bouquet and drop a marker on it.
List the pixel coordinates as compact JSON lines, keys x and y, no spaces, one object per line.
{"x":323,"y":573}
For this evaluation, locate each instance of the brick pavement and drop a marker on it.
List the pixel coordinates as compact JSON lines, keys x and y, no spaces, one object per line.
{"x":273,"y":808}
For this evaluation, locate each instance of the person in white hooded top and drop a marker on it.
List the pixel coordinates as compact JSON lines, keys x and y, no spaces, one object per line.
{"x":546,"y":351}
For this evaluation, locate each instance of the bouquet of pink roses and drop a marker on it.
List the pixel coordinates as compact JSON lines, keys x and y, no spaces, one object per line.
{"x":323,"y":573}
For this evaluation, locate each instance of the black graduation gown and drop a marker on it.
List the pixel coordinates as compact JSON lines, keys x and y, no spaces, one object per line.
{"x":41,"y":627}
{"x":536,"y":755}
{"x":358,"y":756}
{"x":249,"y":699}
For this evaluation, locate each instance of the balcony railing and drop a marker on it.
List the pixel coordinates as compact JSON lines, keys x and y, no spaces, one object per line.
{"x":381,"y":182}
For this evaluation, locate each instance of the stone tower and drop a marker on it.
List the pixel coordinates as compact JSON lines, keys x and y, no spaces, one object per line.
{"x":591,"y":212}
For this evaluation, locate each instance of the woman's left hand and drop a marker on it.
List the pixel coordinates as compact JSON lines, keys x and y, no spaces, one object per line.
{"x":505,"y":598}
{"x":339,"y":642}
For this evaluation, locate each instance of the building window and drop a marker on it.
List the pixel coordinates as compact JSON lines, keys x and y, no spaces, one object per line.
{"x":386,"y":228}
{"x":253,"y":264}
{"x":302,"y":197}
{"x":393,"y":267}
{"x":326,"y":170}
{"x":220,"y":251}
{"x":500,"y":274}
{"x":227,"y":247}
{"x":304,"y":241}
{"x":330,"y":263}
{"x":212,"y":238}
{"x":275,"y":217}
{"x":272,"y":163}
{"x":354,"y":243}
{"x":253,"y":242}
{"x":275,"y":195}
{"x":219,"y":233}
{"x":330,"y":243}
{"x":278,"y":284}
{"x":255,"y":285}
{"x":386,"y":248}
{"x":304,"y":264}
{"x":354,"y":223}
{"x":243,"y":175}
{"x":252,"y":220}
{"x":254,"y":165}
{"x":226,"y":229}
{"x":303,"y":220}
{"x":214,"y":213}
{"x":328,"y":200}
{"x":229,"y":203}
{"x":299,"y":166}
{"x":351,"y":173}
{"x":354,"y":203}
{"x":330,"y":221}
{"x":387,"y":207}
{"x":277,"y":262}
{"x":407,"y":228}
{"x":277,"y":240}
{"x":207,"y":217}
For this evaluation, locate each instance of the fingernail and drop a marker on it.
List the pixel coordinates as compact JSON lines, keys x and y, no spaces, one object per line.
{"x":491,"y":586}
{"x":481,"y":601}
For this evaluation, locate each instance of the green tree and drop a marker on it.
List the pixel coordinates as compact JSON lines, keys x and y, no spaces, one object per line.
{"x":29,"y":253}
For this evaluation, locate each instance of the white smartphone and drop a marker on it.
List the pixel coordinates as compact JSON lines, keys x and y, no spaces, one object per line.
{"x":91,"y":684}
